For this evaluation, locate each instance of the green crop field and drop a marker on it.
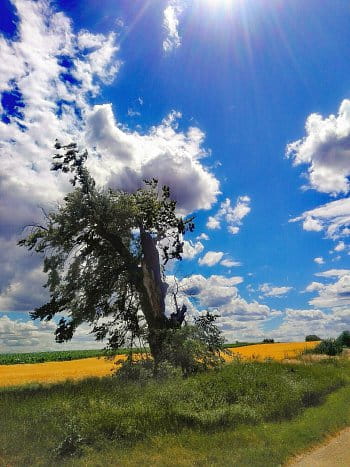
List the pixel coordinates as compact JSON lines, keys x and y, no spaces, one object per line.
{"x":54,"y":356}
{"x":65,"y":355}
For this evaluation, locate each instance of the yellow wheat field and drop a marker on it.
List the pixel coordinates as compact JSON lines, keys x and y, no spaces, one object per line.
{"x":278,"y":351}
{"x":51,"y":372}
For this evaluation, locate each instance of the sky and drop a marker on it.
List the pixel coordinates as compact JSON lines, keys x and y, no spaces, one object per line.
{"x":242,"y":107}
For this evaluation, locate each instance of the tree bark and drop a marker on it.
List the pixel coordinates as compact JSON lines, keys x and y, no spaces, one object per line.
{"x":154,"y":295}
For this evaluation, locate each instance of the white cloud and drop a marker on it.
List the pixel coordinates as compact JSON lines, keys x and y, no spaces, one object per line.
{"x":269,"y":290}
{"x":190,"y":249}
{"x":28,"y":336}
{"x":202,"y":236}
{"x":305,"y":315}
{"x":211,"y":258}
{"x":133,"y":113}
{"x":312,"y":225}
{"x":333,"y":218}
{"x":171,"y":15}
{"x":297,"y":324}
{"x":334,"y":273}
{"x":220,"y":293}
{"x":213,"y":223}
{"x":228,"y":263}
{"x":238,"y":319}
{"x":233,"y":215}
{"x":340,"y":246}
{"x":233,"y":230}
{"x":173,"y":157}
{"x":326,"y":150}
{"x":314,"y":287}
{"x":336,"y":294}
{"x":319,"y":260}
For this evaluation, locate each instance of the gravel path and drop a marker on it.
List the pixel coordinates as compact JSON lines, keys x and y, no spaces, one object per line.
{"x":334,"y":453}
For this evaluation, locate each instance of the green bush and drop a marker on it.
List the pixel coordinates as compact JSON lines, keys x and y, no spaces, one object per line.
{"x":72,"y":443}
{"x":329,"y":347}
{"x":194,"y":348}
{"x":344,"y":339}
{"x":142,"y":371}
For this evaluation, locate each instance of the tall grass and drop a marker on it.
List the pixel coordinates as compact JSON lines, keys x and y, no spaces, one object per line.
{"x":41,"y":422}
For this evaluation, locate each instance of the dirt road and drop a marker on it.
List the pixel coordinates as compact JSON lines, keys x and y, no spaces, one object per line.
{"x":333,"y":453}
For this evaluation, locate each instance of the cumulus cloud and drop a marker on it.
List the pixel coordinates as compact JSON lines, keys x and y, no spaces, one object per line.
{"x":269,"y":290}
{"x":314,"y":287}
{"x":233,"y":215}
{"x":326,"y":151}
{"x":210,"y":258}
{"x":173,"y":157}
{"x":319,"y":260}
{"x":171,"y":15}
{"x":202,"y":236}
{"x":190,"y":249}
{"x":333,"y":218}
{"x":336,"y":294}
{"x":51,"y":72}
{"x":238,"y":319}
{"x":297,"y":324}
{"x":340,"y":246}
{"x":28,"y":336}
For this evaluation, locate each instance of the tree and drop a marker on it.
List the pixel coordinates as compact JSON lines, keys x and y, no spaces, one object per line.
{"x":312,"y":338}
{"x":344,"y":339}
{"x":104,"y":253}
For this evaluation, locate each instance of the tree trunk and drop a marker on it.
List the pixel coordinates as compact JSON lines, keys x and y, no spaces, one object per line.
{"x":153,"y":296}
{"x":149,"y":284}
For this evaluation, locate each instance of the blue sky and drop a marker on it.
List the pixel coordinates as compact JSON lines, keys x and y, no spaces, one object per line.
{"x":240,"y":105}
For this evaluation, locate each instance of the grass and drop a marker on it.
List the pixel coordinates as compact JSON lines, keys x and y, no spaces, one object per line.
{"x":208,"y":419}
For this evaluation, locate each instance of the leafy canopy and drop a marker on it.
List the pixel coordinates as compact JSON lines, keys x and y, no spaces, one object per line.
{"x":95,"y":254}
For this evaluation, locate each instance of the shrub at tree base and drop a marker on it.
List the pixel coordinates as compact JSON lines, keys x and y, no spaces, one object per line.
{"x":188,"y":349}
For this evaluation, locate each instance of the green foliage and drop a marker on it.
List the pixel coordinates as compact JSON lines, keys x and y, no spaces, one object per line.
{"x":142,"y":371}
{"x":196,"y":347}
{"x":344,"y":339}
{"x":72,"y":443}
{"x":312,"y":338}
{"x":268,"y":341}
{"x":329,"y":347}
